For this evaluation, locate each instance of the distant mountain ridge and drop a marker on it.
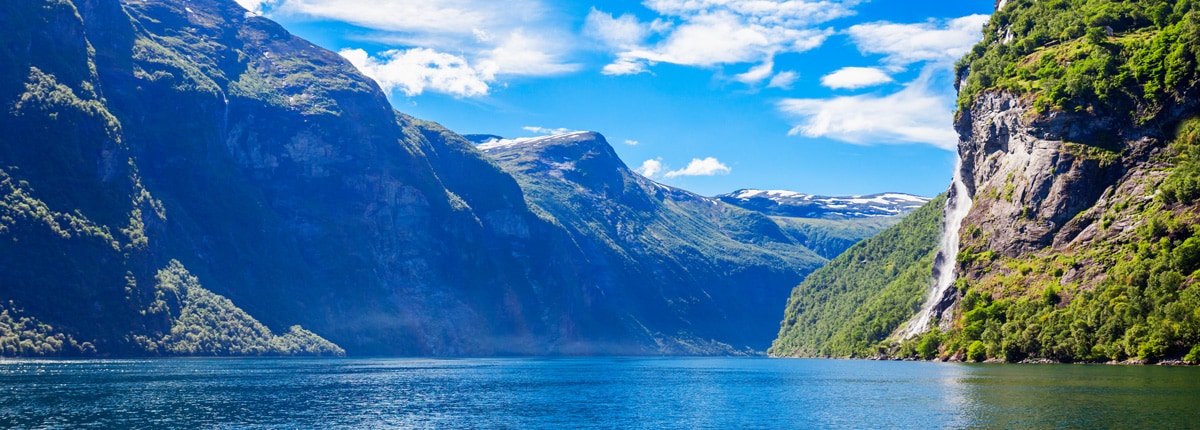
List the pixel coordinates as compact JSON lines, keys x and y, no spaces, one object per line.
{"x":794,"y":204}
{"x":694,"y":272}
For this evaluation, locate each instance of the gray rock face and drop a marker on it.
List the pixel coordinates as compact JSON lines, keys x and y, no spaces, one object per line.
{"x":1030,"y":175}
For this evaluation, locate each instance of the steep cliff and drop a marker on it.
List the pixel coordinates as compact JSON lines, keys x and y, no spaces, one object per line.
{"x":1077,"y":129}
{"x":1078,"y":145}
{"x":82,"y":269}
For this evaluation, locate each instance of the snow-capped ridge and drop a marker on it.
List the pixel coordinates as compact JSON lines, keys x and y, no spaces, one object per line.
{"x":794,"y":204}
{"x":521,"y":141}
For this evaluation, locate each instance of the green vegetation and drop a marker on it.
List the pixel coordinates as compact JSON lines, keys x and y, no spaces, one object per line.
{"x":1132,"y":294}
{"x":1183,"y":184}
{"x":1076,"y":55}
{"x":203,"y":323}
{"x":849,"y":307}
{"x":27,"y":337}
{"x":18,"y":206}
{"x":829,"y":238}
{"x":1126,"y":291}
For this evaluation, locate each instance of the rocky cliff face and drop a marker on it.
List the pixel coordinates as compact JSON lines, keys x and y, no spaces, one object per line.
{"x":1031,"y":176}
{"x":1079,"y":135}
{"x":1078,"y":245}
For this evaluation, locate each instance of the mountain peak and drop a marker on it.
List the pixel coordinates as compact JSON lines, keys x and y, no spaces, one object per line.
{"x":572,"y":138}
{"x":583,"y":157}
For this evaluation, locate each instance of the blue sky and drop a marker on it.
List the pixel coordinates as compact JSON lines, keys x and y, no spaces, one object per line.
{"x":832,"y":97}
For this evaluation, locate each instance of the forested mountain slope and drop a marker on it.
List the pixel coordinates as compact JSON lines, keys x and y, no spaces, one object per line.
{"x":846,"y":307}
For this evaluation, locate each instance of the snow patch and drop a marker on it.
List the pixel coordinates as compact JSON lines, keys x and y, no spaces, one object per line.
{"x":506,"y":143}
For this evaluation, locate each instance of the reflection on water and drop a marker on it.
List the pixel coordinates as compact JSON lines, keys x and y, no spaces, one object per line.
{"x":1078,"y":396}
{"x":589,"y":392}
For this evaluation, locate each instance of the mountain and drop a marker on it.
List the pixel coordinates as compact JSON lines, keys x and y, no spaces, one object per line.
{"x":672,"y":260}
{"x":185,"y":178}
{"x":793,"y":204}
{"x":827,"y":225}
{"x":846,"y":307}
{"x":1079,"y":135}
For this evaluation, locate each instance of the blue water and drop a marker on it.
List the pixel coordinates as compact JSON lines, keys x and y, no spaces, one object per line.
{"x":715,"y":393}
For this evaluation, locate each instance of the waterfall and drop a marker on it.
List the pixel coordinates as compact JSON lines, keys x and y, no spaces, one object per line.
{"x":957,"y":205}
{"x":225,"y":119}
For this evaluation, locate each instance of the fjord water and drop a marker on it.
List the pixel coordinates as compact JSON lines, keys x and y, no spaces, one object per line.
{"x":589,"y":392}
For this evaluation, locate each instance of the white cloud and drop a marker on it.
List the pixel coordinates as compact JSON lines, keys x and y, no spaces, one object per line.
{"x":698,"y":167}
{"x":255,"y":6}
{"x":461,"y":17}
{"x":783,"y":80}
{"x":756,"y":74}
{"x":414,"y":71}
{"x":725,"y":38}
{"x":623,"y":32}
{"x":933,"y":41}
{"x":855,"y":77}
{"x":919,"y":114}
{"x":708,"y":33}
{"x":546,"y":131}
{"x":650,"y":168}
{"x":791,"y":13}
{"x":496,"y":39}
{"x":525,"y":54}
{"x":626,"y":66}
{"x":632,"y":142}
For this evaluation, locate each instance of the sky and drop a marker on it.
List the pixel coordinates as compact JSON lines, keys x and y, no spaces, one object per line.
{"x":828,"y":97}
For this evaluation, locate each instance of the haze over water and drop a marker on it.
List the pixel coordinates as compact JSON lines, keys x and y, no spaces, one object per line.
{"x":589,"y":392}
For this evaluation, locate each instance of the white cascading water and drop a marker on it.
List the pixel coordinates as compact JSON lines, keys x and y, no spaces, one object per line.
{"x":957,"y":207}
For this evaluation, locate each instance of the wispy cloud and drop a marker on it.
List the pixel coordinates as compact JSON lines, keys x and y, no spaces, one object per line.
{"x":931,"y":41}
{"x":757,"y":73}
{"x":461,"y":17}
{"x":855,"y":77}
{"x":632,"y":142}
{"x":617,"y":32}
{"x":546,"y":131}
{"x":783,"y":80}
{"x":414,"y":71}
{"x":920,"y":113}
{"x":710,"y":33}
{"x":458,"y":47}
{"x":701,"y":167}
